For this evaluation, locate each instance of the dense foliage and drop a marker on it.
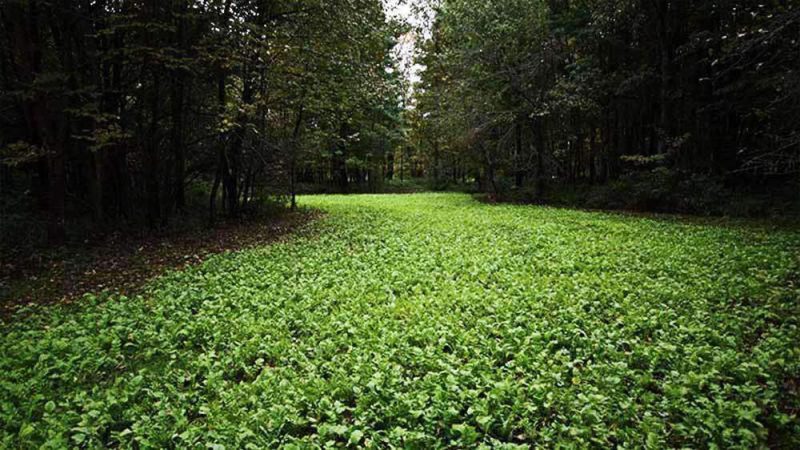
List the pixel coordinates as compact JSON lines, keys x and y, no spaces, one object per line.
{"x":521,"y":95}
{"x":429,"y":321}
{"x":118,"y":112}
{"x":128,"y":111}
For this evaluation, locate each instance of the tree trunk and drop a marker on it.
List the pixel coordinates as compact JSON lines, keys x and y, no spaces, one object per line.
{"x":389,"y":164}
{"x":539,"y":133}
{"x":177,"y":131}
{"x":94,"y":164}
{"x":519,"y":173}
{"x":212,"y":199}
{"x":665,"y":48}
{"x":152,"y":188}
{"x":339,"y":161}
{"x":293,"y":159}
{"x":593,"y":155}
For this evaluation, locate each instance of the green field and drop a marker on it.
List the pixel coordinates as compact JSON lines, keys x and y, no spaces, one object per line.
{"x":425,"y":321}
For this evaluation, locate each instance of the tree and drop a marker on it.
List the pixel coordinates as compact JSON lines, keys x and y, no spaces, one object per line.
{"x":111,"y":108}
{"x":575,"y":92}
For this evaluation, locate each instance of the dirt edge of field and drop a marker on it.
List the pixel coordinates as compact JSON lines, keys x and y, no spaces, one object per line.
{"x":124,"y":265}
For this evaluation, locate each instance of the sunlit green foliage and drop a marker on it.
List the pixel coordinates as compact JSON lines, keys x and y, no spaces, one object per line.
{"x":428,"y":321}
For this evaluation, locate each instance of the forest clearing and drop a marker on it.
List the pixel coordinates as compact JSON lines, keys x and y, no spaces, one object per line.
{"x":430,"y":321}
{"x":417,"y":224}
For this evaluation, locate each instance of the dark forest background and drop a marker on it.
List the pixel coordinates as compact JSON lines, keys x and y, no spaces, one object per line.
{"x":146,"y":114}
{"x":655,"y":105}
{"x":151,"y":113}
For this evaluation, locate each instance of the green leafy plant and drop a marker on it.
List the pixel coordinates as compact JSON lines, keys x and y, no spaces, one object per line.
{"x":429,"y":321}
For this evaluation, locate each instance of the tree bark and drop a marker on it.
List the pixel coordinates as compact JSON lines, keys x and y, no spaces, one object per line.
{"x":293,"y":158}
{"x":177,"y":100}
{"x":152,"y":185}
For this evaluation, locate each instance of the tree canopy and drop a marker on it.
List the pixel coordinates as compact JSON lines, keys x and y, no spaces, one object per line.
{"x":130,"y":111}
{"x":517,"y":93}
{"x":115,"y":108}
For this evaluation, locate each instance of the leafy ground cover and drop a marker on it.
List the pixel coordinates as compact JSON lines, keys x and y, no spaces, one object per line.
{"x":427,"y":321}
{"x":123,"y":262}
